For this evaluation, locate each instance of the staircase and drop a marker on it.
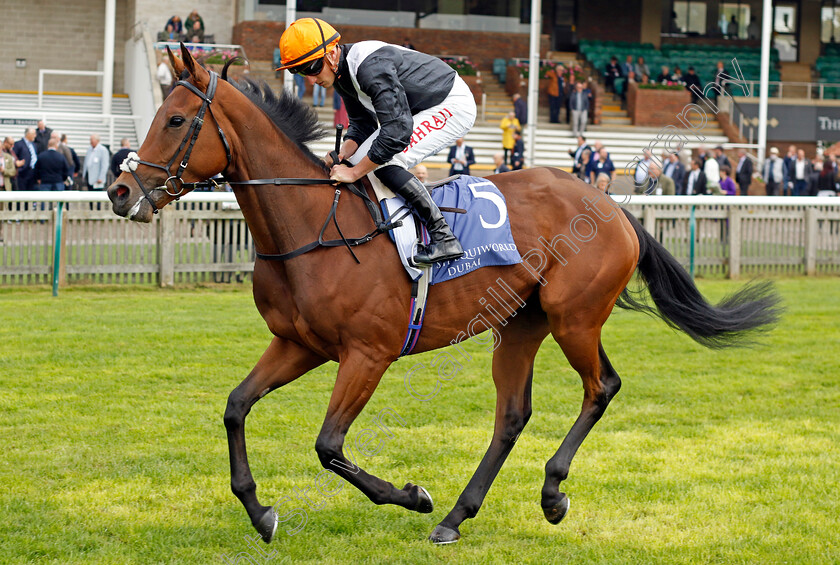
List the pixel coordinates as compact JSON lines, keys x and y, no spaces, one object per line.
{"x":24,"y":107}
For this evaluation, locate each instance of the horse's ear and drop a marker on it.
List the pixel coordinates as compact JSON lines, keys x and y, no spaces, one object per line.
{"x":176,"y":63}
{"x":201,"y":78}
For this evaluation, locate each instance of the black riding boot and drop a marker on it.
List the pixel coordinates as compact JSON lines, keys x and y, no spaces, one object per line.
{"x":444,"y":245}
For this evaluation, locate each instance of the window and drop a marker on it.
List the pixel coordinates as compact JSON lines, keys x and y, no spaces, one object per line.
{"x":690,"y":17}
{"x":830,"y":28}
{"x":741,"y":13}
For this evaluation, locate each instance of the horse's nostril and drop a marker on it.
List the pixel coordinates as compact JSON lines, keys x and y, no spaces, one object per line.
{"x":121,"y":191}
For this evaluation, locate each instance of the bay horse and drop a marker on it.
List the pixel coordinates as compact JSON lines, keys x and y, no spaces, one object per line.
{"x":579,"y":253}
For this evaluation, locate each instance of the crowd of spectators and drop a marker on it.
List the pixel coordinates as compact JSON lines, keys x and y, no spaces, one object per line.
{"x":43,"y":160}
{"x":191,"y":31}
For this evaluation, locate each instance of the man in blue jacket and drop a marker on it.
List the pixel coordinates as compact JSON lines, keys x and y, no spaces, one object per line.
{"x":460,"y":158}
{"x":52,"y":168}
{"x":27,"y":156}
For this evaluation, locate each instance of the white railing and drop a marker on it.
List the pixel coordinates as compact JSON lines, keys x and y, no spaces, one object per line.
{"x":65,"y":72}
{"x":74,"y":237}
{"x":815,"y":90}
{"x":49,"y":116}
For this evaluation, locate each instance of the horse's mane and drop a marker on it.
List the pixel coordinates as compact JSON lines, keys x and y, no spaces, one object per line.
{"x":294,"y":118}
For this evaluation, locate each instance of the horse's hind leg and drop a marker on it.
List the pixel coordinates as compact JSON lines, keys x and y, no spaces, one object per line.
{"x":283,"y":362}
{"x":358,"y":376}
{"x":585,"y":353}
{"x":513,"y":370}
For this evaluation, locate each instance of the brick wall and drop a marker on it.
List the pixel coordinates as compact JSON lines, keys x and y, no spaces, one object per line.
{"x":259,"y":38}
{"x":655,"y":108}
{"x":607,"y":20}
{"x":52,"y":34}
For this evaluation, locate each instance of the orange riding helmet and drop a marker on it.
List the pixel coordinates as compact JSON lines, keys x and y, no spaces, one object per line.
{"x":305,"y":40}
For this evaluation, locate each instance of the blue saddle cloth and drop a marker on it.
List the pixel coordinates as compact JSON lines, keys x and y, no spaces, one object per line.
{"x":484,"y":231}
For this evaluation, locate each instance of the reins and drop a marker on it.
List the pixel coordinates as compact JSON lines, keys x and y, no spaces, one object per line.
{"x":129,"y":165}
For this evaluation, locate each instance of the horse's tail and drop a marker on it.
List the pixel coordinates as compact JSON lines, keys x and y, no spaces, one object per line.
{"x":679,"y":303}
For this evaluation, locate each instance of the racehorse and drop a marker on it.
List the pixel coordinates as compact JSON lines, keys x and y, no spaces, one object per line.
{"x":579,"y":252}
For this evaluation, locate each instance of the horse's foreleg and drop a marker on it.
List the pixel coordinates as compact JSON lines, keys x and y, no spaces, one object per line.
{"x":600,"y":384}
{"x":358,"y":377}
{"x":513,"y":370}
{"x":283,"y":362}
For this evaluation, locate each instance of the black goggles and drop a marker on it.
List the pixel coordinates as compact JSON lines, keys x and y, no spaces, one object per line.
{"x":311,"y":68}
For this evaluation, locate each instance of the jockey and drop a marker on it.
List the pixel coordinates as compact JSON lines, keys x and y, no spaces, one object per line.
{"x":403,"y":107}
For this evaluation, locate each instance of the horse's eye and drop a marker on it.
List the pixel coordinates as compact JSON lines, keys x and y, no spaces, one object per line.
{"x":176,"y":121}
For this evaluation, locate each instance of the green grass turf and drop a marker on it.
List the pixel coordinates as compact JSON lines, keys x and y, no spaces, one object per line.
{"x":114,"y":451}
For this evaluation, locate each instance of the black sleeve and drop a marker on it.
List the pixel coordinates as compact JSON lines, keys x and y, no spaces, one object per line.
{"x":77,"y":166}
{"x":361,"y":122}
{"x":377,"y":78}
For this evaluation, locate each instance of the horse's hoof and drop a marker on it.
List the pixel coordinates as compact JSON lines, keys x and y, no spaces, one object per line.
{"x":424,"y":503}
{"x":443,"y":535}
{"x":557,"y":512}
{"x":267,"y":525}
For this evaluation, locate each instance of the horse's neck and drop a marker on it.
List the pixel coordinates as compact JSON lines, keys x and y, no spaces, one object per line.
{"x":281,"y":218}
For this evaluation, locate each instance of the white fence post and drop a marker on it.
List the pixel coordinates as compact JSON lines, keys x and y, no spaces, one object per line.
{"x":166,"y":246}
{"x":811,"y":240}
{"x":734,"y":242}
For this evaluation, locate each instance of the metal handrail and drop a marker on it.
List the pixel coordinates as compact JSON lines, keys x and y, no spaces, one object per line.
{"x":782,"y":84}
{"x":42,"y":72}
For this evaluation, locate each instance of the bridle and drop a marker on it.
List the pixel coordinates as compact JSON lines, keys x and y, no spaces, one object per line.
{"x":175,"y":182}
{"x":132,"y":161}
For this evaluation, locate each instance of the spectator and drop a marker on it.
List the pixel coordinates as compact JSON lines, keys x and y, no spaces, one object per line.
{"x":192,"y":19}
{"x":612,"y":72}
{"x":556,"y":92}
{"x":690,"y":80}
{"x":520,"y":109}
{"x":27,"y":155}
{"x":721,"y":157}
{"x":119,"y":156}
{"x":752,"y":29}
{"x":42,"y":136}
{"x":702,"y":155}
{"x":300,"y":85}
{"x":712,"y":170}
{"x":585,"y":168}
{"x":517,"y":154}
{"x":195,"y":32}
{"x":774,"y":173}
{"x":77,"y":165}
{"x":460,"y":158}
{"x":665,"y":76}
{"x":340,"y":115}
{"x":727,"y":185}
{"x":95,"y":170}
{"x":407,"y":44}
{"x":800,"y":174}
{"x":169,"y":34}
{"x":602,"y":165}
{"x":499,"y":161}
{"x":645,"y":80}
{"x":827,"y":176}
{"x":52,"y":169}
{"x":319,"y":95}
{"x":577,"y":153}
{"x":677,"y":77}
{"x":602,"y":182}
{"x":579,"y":104}
{"x":641,"y":67}
{"x":177,"y":25}
{"x":164,"y":77}
{"x":628,"y":66}
{"x":421,"y":172}
{"x":509,"y":126}
{"x":660,"y":185}
{"x":9,"y":170}
{"x":641,"y":176}
{"x":695,"y":180}
{"x":789,"y":160}
{"x":675,"y":170}
{"x":732,"y":28}
{"x":744,"y":172}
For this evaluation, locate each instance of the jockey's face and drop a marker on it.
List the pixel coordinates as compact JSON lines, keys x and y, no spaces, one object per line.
{"x":326,"y":77}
